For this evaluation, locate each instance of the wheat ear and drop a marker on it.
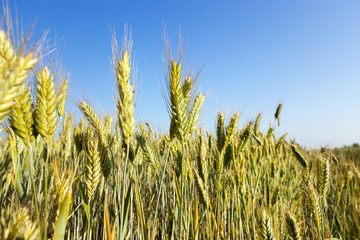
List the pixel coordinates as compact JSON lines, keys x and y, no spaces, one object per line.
{"x":61,"y":98}
{"x":93,"y":165}
{"x":13,"y":72}
{"x":292,"y":226}
{"x":21,"y":119}
{"x":45,"y":114}
{"x":265,"y":229}
{"x":201,"y":159}
{"x":125,"y":102}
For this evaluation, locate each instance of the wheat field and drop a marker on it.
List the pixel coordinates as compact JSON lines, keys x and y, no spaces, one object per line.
{"x":112,"y":177}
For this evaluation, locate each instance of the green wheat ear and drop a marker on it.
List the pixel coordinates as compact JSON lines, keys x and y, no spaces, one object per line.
{"x":323,"y":177}
{"x":67,"y":136}
{"x":148,"y":152}
{"x":61,"y":98}
{"x":230,"y":129}
{"x":45,"y":111}
{"x":298,"y":155}
{"x":194,"y":115}
{"x":93,"y":166}
{"x":257,"y":124}
{"x":177,"y":103}
{"x":220,"y":132}
{"x":246,"y":135}
{"x":277,"y":113}
{"x":90,"y":115}
{"x":200,"y":186}
{"x":202,"y":159}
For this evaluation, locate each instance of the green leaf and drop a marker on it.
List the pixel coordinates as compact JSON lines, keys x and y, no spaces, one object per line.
{"x":85,"y":201}
{"x":125,"y":213}
{"x":62,"y":218}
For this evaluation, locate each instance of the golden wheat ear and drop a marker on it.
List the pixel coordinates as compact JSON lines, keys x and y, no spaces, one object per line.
{"x":22,"y":120}
{"x":14,"y":69}
{"x":125,"y":100}
{"x":220,"y":132}
{"x":265,"y":230}
{"x":45,"y":111}
{"x":93,"y":166}
{"x":293,"y":228}
{"x":18,"y":226}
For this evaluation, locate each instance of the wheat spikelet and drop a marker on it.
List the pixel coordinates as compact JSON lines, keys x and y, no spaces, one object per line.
{"x":347,"y":178}
{"x":143,"y":131}
{"x":45,"y":114}
{"x":102,"y":131}
{"x":150,"y":128}
{"x":246,"y":135}
{"x":20,"y":226}
{"x":277,"y":113}
{"x":195,"y":113}
{"x":21,"y":119}
{"x":228,"y":155}
{"x":230,"y":129}
{"x":299,"y":156}
{"x":220,"y":132}
{"x":148,"y":152}
{"x":19,"y":144}
{"x":292,"y":226}
{"x":270,"y":132}
{"x":257,"y":124}
{"x":314,"y":207}
{"x":265,"y":229}
{"x":90,"y":115}
{"x":240,"y":177}
{"x":125,"y":105}
{"x":201,"y":159}
{"x":61,"y":98}
{"x":105,"y":160}
{"x":67,"y":135}
{"x":204,"y":199}
{"x":93,"y":167}
{"x":187,"y":86}
{"x":280,"y":141}
{"x":178,"y":124}
{"x":77,"y":142}
{"x":13,"y":72}
{"x":338,"y":192}
{"x":108,"y":125}
{"x":323,"y":177}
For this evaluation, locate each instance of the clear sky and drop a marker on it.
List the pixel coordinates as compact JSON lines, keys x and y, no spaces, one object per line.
{"x":255,"y":54}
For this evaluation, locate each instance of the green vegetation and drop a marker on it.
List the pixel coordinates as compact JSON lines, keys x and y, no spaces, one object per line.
{"x":351,"y":153}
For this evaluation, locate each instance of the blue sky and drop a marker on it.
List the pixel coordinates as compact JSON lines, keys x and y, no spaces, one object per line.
{"x":255,"y":54}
